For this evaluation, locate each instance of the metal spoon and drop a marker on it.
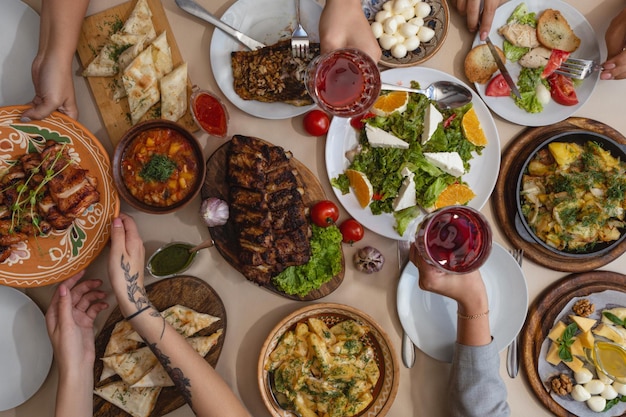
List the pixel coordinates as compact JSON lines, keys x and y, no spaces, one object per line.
{"x":281,"y":399}
{"x":447,"y":94}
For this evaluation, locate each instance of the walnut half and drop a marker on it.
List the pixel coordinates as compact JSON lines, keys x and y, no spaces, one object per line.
{"x":583,"y":308}
{"x":562,"y":384}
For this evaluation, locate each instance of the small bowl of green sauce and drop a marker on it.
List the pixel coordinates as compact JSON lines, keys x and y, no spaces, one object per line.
{"x":171,"y":259}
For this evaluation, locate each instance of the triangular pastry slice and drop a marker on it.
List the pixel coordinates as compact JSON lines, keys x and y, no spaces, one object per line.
{"x":141,"y":85}
{"x":138,"y":402}
{"x":174,"y":93}
{"x":131,"y":366}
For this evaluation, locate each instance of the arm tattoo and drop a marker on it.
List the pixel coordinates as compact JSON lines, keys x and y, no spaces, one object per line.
{"x":136,"y":295}
{"x":181,"y":382}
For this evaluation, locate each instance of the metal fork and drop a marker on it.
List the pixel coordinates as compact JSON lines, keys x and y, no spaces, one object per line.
{"x":299,"y":37}
{"x":578,"y":68}
{"x":512,"y":354}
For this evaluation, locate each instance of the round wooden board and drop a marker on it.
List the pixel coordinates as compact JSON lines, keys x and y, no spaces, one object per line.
{"x":188,"y":291}
{"x":545,"y":310}
{"x":504,"y":200}
{"x":225,"y":238}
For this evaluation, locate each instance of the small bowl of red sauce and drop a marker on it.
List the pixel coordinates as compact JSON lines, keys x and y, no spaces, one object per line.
{"x":209,"y":113}
{"x":158,"y":166}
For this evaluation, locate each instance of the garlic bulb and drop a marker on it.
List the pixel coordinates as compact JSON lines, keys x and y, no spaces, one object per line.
{"x":214,"y":212}
{"x":368,"y":260}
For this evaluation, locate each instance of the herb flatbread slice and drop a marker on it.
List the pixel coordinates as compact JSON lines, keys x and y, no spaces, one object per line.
{"x":141,"y":85}
{"x":139,"y":21}
{"x":138,"y":402}
{"x":162,"y":55}
{"x":158,"y":377}
{"x":131,"y":366}
{"x":185,"y":320}
{"x":174,"y":93}
{"x":118,"y":343}
{"x":105,"y":63}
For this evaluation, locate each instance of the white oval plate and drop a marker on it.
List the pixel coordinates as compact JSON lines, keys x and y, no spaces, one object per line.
{"x":19,"y":39}
{"x":267,"y":21}
{"x":430,"y":319}
{"x":343,"y":137}
{"x":25,"y":346}
{"x":552,"y":112}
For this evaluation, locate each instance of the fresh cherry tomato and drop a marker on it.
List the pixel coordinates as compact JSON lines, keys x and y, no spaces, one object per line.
{"x":562,"y":90}
{"x":351,"y":230}
{"x":358,"y":122}
{"x":324,"y":213}
{"x":556,"y":59}
{"x":498,"y":87}
{"x":316,"y":123}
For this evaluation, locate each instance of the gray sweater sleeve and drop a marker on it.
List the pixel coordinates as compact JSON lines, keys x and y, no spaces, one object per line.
{"x":475,"y":385}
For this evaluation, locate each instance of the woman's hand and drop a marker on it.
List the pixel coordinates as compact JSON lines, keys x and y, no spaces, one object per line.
{"x":343,"y":25}
{"x":477,"y":18}
{"x":126,"y":265}
{"x":614,"y":68}
{"x":69,"y":320}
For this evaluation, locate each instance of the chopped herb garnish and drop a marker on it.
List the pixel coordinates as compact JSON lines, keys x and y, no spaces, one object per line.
{"x":159,"y":168}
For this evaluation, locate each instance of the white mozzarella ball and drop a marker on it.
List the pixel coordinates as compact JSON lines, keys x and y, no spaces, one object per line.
{"x":609,"y":392}
{"x":388,"y":5}
{"x":422,"y":9}
{"x":579,"y":393}
{"x":620,"y":388}
{"x":399,"y":5}
{"x":399,"y":38}
{"x":595,"y":386}
{"x":408,"y":13}
{"x":377,"y":29}
{"x":584,"y":375}
{"x":425,"y":33}
{"x":414,"y":2}
{"x":387,"y":41}
{"x":412,"y":43}
{"x":399,"y":18}
{"x":390,"y":25}
{"x":543,"y":97}
{"x":382,"y":15}
{"x":596,"y":403}
{"x":407,"y":30}
{"x":398,"y":50}
{"x":417,"y":21}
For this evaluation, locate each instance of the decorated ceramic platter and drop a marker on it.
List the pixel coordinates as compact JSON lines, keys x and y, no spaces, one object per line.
{"x":60,"y":254}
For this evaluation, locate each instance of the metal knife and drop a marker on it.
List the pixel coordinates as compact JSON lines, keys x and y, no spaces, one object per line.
{"x":502,"y":67}
{"x":408,"y":348}
{"x":195,"y":9}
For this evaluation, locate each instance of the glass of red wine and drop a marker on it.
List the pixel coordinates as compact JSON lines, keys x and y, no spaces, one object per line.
{"x":456,"y":239}
{"x":344,"y":82}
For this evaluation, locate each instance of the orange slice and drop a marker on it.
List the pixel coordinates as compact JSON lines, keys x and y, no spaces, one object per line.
{"x":388,"y":103}
{"x":361,"y":186}
{"x":472,"y":129}
{"x":454,"y":194}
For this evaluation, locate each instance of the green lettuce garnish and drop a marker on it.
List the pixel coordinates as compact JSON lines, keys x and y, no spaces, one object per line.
{"x":523,"y":16}
{"x":527,"y":85}
{"x":513,"y":53}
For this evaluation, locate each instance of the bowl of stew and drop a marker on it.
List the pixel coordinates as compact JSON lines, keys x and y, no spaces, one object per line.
{"x":158,"y":166}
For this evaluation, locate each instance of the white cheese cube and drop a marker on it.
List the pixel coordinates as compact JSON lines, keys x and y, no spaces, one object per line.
{"x":378,"y":138}
{"x":449,"y":162}
{"x":406,"y":196}
{"x":432,"y":118}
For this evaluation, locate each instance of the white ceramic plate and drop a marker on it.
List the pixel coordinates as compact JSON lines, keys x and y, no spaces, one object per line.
{"x":26,"y":350}
{"x":343,"y":137}
{"x":19,"y":39}
{"x":430,"y":319}
{"x":553,"y":112}
{"x":267,"y":21}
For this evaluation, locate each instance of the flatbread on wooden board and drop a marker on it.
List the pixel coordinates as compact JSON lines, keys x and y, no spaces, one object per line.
{"x":138,"y":402}
{"x":95,"y":32}
{"x":174,"y":93}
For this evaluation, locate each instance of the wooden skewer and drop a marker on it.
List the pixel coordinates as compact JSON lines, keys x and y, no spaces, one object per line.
{"x":206,"y":244}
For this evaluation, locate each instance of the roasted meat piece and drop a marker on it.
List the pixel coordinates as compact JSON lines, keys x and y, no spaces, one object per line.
{"x":272,"y":74}
{"x":269,"y":215}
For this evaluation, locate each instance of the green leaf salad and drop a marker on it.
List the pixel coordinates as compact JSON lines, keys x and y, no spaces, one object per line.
{"x":383,"y":166}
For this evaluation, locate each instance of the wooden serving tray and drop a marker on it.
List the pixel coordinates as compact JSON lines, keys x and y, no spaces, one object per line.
{"x":188,"y":291}
{"x":225,"y":238}
{"x":504,"y":199}
{"x":95,"y":32}
{"x":541,"y":315}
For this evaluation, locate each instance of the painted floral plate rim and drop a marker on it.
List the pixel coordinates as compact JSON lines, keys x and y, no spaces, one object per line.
{"x":61,"y":254}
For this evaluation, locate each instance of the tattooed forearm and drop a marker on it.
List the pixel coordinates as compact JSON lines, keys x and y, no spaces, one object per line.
{"x":136,"y":295}
{"x":181,"y":382}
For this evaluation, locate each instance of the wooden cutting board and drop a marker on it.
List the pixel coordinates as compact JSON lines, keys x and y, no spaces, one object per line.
{"x":188,"y":291}
{"x":541,"y":315}
{"x":95,"y":32}
{"x":503,"y":198}
{"x":225,"y":238}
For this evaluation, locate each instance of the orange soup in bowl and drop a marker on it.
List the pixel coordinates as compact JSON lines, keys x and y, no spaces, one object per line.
{"x":160,"y":167}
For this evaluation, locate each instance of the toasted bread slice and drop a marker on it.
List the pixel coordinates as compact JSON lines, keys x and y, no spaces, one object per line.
{"x":480,"y":65}
{"x":554,"y":32}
